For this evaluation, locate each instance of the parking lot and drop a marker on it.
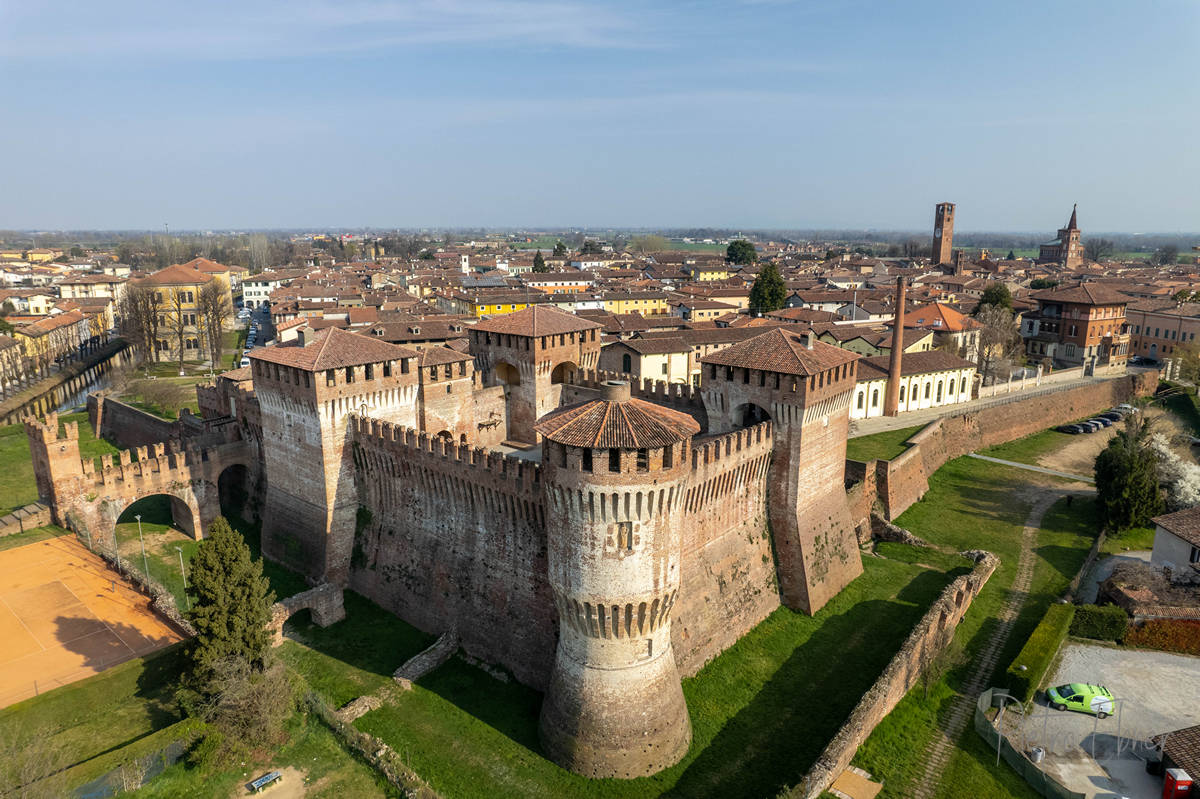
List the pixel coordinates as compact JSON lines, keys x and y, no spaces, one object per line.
{"x":1155,"y":692}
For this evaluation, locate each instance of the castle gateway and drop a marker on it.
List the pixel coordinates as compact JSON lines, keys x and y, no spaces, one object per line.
{"x":597,"y":539}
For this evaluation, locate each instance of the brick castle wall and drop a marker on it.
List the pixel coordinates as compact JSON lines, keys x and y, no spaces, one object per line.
{"x":126,"y":425}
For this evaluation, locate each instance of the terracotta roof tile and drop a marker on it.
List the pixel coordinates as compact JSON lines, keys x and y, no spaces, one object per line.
{"x":913,"y":363}
{"x":1182,"y":523}
{"x":626,"y":424}
{"x":782,"y":351}
{"x":1085,"y":293}
{"x":538,"y":320}
{"x":332,"y":348}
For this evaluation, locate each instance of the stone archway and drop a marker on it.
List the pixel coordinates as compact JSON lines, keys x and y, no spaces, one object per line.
{"x":233,"y":491}
{"x":749,"y":414}
{"x":507,"y":374}
{"x":563,"y":373}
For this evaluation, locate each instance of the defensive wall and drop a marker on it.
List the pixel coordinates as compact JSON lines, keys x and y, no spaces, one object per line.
{"x":926,"y":641}
{"x":903,"y":480}
{"x":451,"y":536}
{"x":126,"y":425}
{"x":585,"y":385}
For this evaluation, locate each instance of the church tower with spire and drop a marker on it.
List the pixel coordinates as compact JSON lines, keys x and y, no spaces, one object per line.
{"x":1067,"y":249}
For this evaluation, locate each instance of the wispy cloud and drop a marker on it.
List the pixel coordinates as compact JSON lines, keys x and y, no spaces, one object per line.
{"x":258,"y":29}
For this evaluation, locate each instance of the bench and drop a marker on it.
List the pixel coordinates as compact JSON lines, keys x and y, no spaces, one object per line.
{"x":265,"y":780}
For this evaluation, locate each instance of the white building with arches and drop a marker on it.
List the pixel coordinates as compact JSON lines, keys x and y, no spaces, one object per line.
{"x":927,"y":380}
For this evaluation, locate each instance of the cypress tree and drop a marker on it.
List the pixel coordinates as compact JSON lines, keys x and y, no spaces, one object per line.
{"x":1127,"y":479}
{"x":769,"y":292}
{"x":231,"y":604}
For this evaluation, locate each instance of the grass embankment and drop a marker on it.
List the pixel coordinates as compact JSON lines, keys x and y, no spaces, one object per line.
{"x":761,"y":711}
{"x":17,"y":485}
{"x":880,"y":446}
{"x":974,"y":504}
{"x":1030,"y":448}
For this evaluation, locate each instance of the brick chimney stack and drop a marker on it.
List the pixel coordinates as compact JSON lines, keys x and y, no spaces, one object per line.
{"x":891,"y":397}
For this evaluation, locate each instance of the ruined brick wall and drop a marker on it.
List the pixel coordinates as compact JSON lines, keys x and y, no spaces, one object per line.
{"x":127,"y":426}
{"x":454,"y":537}
{"x":928,"y":638}
{"x":903,"y":480}
{"x":728,"y":581}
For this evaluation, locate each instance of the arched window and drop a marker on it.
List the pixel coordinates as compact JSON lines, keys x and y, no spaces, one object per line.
{"x":875,"y":398}
{"x":939,"y":391}
{"x":860,"y":400}
{"x":927,"y":387}
{"x":952,"y":387}
{"x":626,"y":363}
{"x":902,"y":393}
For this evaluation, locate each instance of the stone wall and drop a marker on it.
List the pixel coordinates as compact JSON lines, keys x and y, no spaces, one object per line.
{"x":325,"y":602}
{"x":927,"y":639}
{"x":903,"y":480}
{"x":729,"y":582}
{"x":126,"y":425}
{"x":584,"y":386}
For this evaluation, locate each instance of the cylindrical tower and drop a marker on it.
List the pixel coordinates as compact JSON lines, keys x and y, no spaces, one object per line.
{"x":616,"y":469}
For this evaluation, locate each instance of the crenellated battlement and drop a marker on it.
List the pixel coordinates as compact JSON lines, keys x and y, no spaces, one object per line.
{"x":711,"y":449}
{"x":731,"y":464}
{"x":49,"y":431}
{"x":525,"y":476}
{"x":648,"y":389}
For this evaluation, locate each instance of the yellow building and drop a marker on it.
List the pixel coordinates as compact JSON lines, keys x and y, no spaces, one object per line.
{"x":41,"y":255}
{"x":643,"y":302}
{"x":178,"y":290}
{"x":707,"y":271}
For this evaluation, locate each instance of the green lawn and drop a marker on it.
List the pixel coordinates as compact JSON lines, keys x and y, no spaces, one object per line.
{"x":354,"y":657}
{"x":85,"y":719}
{"x":1135,"y":539}
{"x":17,"y":485}
{"x":761,"y":711}
{"x":976,"y":504}
{"x":1029,"y":448}
{"x":880,"y":446}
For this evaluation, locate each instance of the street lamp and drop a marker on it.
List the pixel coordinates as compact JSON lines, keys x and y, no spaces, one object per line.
{"x":142,"y":541}
{"x":183,"y":571}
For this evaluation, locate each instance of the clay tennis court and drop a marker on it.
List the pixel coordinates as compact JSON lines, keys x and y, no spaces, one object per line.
{"x":64,"y":616}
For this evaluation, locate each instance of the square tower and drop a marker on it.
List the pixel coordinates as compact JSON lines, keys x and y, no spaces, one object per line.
{"x":943,"y":233}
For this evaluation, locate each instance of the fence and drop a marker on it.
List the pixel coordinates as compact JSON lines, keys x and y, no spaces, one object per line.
{"x":1039,"y":780}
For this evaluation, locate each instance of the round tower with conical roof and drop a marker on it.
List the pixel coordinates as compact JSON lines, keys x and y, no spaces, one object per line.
{"x":616,"y":469}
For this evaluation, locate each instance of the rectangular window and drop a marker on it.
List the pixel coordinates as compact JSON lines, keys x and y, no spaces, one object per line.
{"x":369,"y":370}
{"x":404,"y":366}
{"x":587,"y":460}
{"x":614,"y":460}
{"x":643,"y":460}
{"x":668,"y":457}
{"x":349,"y":375}
{"x":387,"y":368}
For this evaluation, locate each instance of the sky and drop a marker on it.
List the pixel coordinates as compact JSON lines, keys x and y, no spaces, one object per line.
{"x":756,"y":114}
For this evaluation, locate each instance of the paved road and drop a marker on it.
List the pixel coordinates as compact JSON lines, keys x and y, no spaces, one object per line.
{"x":1030,"y":467}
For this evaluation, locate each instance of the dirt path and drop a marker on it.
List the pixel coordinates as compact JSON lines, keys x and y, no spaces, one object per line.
{"x":290,"y":787}
{"x":954,"y":723}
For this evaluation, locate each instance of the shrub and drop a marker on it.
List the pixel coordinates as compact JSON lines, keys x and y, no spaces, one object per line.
{"x":1171,"y":635}
{"x":1039,"y":651}
{"x":1102,"y":622}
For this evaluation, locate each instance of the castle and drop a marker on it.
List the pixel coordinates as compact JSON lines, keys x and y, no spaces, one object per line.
{"x":597,"y":539}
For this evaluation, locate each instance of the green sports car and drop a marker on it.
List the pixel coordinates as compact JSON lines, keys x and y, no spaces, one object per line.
{"x":1094,"y":699}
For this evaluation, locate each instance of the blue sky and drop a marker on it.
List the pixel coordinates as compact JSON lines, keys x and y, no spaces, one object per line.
{"x":754,"y":114}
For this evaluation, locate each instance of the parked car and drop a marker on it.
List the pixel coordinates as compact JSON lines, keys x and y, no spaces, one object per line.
{"x":1112,"y":416}
{"x":1100,"y":420}
{"x":1073,"y":429}
{"x":1089,"y":426}
{"x":1082,"y":697}
{"x":1126,"y":407}
{"x":245,"y":361}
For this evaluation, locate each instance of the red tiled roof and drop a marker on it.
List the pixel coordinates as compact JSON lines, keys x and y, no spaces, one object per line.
{"x":627,"y":424}
{"x":782,"y":351}
{"x":537,"y":320}
{"x":1084,"y":293}
{"x":177,"y":275}
{"x":913,"y":363}
{"x":332,"y":348}
{"x":1182,"y":523}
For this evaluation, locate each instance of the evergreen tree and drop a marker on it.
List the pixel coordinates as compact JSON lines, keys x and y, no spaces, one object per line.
{"x":741,"y":251}
{"x":1127,"y":478}
{"x":560,"y":249}
{"x":539,"y":263}
{"x":995,"y":294}
{"x":1012,"y":256}
{"x":231,"y":605}
{"x":769,"y":292}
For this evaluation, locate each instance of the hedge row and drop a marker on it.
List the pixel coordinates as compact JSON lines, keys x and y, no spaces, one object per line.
{"x":1039,"y":651}
{"x":1102,"y":622}
{"x":1172,"y":635}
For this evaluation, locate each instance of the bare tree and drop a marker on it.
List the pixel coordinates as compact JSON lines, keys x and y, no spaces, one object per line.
{"x":1098,"y":249}
{"x":644,"y":245}
{"x":139,"y":321}
{"x":177,"y":318}
{"x":260,"y":252}
{"x":213,"y":312}
{"x":999,"y":340}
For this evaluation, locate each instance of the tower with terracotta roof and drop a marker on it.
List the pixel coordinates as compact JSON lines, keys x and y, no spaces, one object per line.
{"x":803,"y":387}
{"x":306,"y":390}
{"x":615,"y":472}
{"x":531,"y":353}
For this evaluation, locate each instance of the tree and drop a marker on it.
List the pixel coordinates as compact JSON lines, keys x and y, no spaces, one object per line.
{"x":139,"y":321}
{"x":769,"y":292}
{"x":1165,"y":255}
{"x":213,"y":312}
{"x":1000,"y":341}
{"x":260,"y":253}
{"x":1127,"y":477}
{"x":741,"y":251}
{"x":1012,"y":256}
{"x":231,"y":606}
{"x":1042,"y":283}
{"x":560,"y":249}
{"x":644,"y":245}
{"x":539,"y":263}
{"x":76,"y":251}
{"x":1188,"y":356}
{"x":1098,"y":249}
{"x":996,"y":293}
{"x":177,"y":318}
{"x":590,"y":247}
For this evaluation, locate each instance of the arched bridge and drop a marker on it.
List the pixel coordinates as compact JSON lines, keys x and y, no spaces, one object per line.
{"x":86,"y":498}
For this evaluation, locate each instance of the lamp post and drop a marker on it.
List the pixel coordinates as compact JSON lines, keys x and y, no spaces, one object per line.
{"x":183,"y":571}
{"x":142,"y":541}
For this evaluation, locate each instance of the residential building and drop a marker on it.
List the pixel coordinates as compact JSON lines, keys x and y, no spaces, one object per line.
{"x":1158,"y":328}
{"x":667,"y":359}
{"x":1077,"y":325}
{"x":1177,"y":540}
{"x":927,"y":380}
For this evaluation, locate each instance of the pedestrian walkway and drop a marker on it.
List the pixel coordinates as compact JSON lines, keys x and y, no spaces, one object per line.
{"x":1030,"y":467}
{"x":880,"y":424}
